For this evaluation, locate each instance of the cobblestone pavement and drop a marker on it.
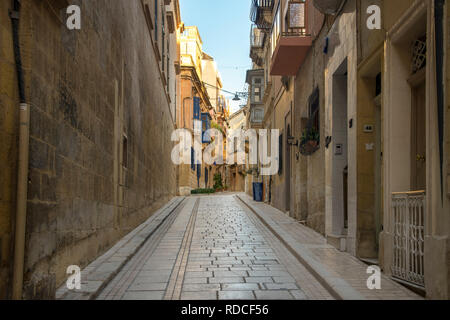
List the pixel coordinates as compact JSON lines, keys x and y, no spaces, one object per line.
{"x":212,"y":248}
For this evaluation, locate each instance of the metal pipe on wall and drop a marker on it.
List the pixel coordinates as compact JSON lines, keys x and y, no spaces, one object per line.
{"x":22,"y":170}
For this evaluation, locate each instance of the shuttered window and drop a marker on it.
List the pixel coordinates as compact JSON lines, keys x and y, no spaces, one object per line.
{"x":192,"y":159}
{"x":206,"y":125}
{"x":196,"y":108}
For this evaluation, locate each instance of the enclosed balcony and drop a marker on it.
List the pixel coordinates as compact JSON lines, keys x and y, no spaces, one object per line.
{"x":291,"y":40}
{"x":261,"y":13}
{"x":256,"y":116}
{"x":257,"y":38}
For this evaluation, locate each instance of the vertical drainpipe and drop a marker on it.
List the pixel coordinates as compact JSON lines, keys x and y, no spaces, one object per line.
{"x":22,"y":171}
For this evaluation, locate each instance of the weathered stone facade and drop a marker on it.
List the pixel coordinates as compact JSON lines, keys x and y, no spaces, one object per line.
{"x":308,"y":172}
{"x":100,"y":134}
{"x":200,"y":83}
{"x":447,"y":40}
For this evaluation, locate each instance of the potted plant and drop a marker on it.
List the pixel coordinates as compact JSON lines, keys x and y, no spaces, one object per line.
{"x":309,"y":142}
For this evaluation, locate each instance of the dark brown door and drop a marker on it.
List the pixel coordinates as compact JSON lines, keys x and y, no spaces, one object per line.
{"x":418,"y":145}
{"x":288,"y":172}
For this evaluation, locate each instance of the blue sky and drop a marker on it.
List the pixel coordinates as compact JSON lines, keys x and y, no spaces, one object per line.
{"x":224,"y":26}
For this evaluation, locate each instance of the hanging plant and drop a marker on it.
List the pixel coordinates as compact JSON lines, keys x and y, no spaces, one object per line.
{"x":309,"y":142}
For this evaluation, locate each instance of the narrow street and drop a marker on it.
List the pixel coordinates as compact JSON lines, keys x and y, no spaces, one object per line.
{"x":224,"y":150}
{"x":213,"y":248}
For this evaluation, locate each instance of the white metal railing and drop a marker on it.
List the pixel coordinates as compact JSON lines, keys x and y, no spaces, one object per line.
{"x":408,"y":214}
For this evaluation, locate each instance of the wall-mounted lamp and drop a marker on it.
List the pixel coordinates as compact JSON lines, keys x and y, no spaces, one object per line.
{"x":292,"y":141}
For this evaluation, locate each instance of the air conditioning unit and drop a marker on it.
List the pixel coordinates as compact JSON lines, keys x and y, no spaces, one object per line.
{"x":328,"y":6}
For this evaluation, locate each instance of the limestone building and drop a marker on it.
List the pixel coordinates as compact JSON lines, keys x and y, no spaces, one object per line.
{"x":363,"y":117}
{"x":101,"y":103}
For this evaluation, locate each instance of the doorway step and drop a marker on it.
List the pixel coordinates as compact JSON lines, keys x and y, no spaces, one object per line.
{"x":338,"y":241}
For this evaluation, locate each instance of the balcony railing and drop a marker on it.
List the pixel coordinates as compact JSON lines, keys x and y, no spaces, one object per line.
{"x":297,"y":17}
{"x":408,"y":214}
{"x":259,"y":11}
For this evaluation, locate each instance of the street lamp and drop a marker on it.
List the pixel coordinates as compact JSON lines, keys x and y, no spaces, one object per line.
{"x":240,"y":94}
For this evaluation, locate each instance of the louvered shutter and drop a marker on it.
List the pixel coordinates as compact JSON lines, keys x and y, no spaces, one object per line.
{"x":196,"y":108}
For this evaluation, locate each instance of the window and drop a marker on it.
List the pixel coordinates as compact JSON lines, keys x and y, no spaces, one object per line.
{"x":296,"y":15}
{"x":257,"y":115}
{"x":419,"y":57}
{"x":314,"y":111}
{"x":275,"y":29}
{"x":196,"y":108}
{"x":378,"y":86}
{"x":163,"y":41}
{"x":257,"y":90}
{"x":168,"y":64}
{"x":192,"y":159}
{"x":156,"y":20}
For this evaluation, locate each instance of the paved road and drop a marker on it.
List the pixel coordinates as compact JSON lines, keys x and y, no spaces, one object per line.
{"x":211,"y":248}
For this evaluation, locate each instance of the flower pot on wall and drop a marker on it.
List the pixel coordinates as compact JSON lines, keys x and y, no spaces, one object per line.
{"x":328,"y":6}
{"x":309,"y":147}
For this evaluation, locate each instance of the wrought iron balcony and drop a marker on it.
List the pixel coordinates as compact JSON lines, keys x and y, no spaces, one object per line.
{"x":260,"y":13}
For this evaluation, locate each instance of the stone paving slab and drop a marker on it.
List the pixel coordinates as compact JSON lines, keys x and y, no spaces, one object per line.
{"x":98,"y":273}
{"x":344,"y":275}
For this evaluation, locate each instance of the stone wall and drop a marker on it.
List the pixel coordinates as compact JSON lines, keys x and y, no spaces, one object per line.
{"x":8,"y":145}
{"x":280,"y":117}
{"x":342,"y":52}
{"x":309,"y":171}
{"x":95,"y":94}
